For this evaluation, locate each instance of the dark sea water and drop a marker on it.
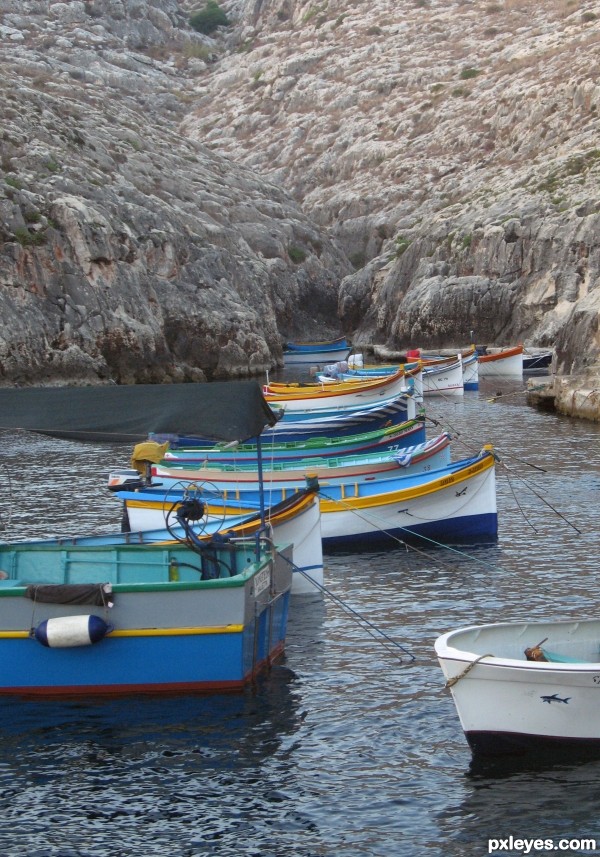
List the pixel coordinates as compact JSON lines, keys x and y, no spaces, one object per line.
{"x":349,"y":748}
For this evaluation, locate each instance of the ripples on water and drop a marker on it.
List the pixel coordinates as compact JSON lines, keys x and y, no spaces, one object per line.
{"x":344,"y":749}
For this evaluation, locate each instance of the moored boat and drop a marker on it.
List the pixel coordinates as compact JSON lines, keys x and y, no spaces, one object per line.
{"x":537,"y":359}
{"x":309,"y":353}
{"x":169,"y":617}
{"x":297,"y":397}
{"x":471,"y":371}
{"x":320,"y":446}
{"x":305,"y":424}
{"x":346,"y":468}
{"x":139,"y":618}
{"x":506,"y":362}
{"x":529,"y":686}
{"x":453,"y":503}
{"x":437,"y":376}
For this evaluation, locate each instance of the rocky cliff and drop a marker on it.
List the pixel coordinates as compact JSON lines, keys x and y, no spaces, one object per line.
{"x":450,"y":146}
{"x":172,"y":205}
{"x":130,"y":252}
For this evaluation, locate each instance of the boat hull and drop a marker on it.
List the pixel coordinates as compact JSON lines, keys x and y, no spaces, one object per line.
{"x":471,"y":372}
{"x":453,"y":504}
{"x":333,"y":395}
{"x":310,"y":353}
{"x":444,"y":380}
{"x":509,"y":705}
{"x":347,"y":468}
{"x":164,"y":635}
{"x":456,"y":509}
{"x":321,"y":447}
{"x":507,"y":362}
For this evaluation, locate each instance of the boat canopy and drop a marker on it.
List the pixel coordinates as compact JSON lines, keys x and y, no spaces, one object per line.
{"x":220,"y":410}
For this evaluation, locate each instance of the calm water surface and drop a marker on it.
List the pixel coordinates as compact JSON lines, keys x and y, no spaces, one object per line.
{"x":348,"y":748}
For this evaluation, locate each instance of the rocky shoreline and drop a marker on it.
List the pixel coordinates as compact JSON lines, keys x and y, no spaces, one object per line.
{"x":570,"y":395}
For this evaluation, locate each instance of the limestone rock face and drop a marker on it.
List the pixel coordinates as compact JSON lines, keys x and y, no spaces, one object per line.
{"x":174,"y":205}
{"x":451,"y":147}
{"x":532,"y":279}
{"x":130,"y":253}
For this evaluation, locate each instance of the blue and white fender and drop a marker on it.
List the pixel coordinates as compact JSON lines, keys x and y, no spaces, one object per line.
{"x":63,"y":632}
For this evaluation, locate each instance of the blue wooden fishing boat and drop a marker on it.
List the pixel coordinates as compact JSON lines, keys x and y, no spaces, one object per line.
{"x":334,"y":423}
{"x":454,"y":503}
{"x":309,"y":353}
{"x":322,"y":447}
{"x":119,"y":619}
{"x":114,"y":619}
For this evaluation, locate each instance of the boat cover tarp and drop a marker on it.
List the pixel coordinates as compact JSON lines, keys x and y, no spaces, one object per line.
{"x":220,"y":410}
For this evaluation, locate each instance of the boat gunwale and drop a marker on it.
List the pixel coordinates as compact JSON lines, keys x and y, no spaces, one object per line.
{"x":474,"y":468}
{"x":450,"y":653}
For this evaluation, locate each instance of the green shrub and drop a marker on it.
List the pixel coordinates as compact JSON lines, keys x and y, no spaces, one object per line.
{"x":468,"y":73}
{"x":296,"y":255}
{"x":208,"y":19}
{"x":27,"y":238}
{"x":402,"y":245}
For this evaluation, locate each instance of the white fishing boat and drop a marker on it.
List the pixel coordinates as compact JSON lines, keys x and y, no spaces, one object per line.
{"x":453,"y":504}
{"x":444,"y":379}
{"x":525,"y":686}
{"x":316,"y":397}
{"x":501,"y":362}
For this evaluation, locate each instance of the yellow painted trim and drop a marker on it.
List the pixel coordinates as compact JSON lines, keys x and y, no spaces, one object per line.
{"x":146,"y":632}
{"x":375,"y":500}
{"x":178,"y":632}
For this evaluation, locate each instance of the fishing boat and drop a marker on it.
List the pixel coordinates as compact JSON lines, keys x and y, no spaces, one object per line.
{"x":309,"y":353}
{"x":444,"y":378}
{"x":116,"y":619}
{"x":344,"y":469}
{"x":331,"y":423}
{"x":454,"y":503}
{"x":523,"y":687}
{"x":504,"y":362}
{"x":139,"y":618}
{"x":438,"y":376}
{"x":322,"y":447}
{"x":300,"y":397}
{"x":470,"y":365}
{"x":314,"y":410}
{"x":295,"y":522}
{"x":537,"y":359}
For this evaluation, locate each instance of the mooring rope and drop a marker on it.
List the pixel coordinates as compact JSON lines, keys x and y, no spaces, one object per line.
{"x":452,"y":681}
{"x":364,"y":623}
{"x":433,"y":542}
{"x":502,"y":460}
{"x":544,"y":501}
{"x":7,"y":497}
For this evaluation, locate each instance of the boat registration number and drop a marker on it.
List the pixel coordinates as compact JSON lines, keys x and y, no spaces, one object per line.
{"x":262,"y":581}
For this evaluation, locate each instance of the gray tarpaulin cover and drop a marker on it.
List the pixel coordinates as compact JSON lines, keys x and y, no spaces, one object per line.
{"x":227,"y":410}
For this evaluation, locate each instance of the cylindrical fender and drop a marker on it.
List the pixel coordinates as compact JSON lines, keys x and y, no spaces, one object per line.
{"x":65,"y":631}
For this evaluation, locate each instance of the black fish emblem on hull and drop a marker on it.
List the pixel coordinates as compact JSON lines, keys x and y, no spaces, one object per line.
{"x":555,"y":698}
